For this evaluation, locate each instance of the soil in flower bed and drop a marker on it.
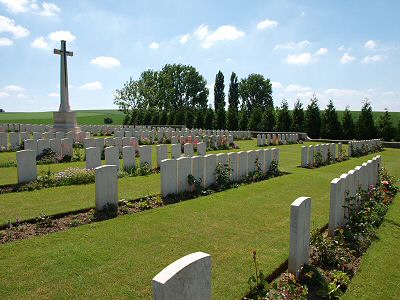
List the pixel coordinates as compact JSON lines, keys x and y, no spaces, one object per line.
{"x":44,"y":225}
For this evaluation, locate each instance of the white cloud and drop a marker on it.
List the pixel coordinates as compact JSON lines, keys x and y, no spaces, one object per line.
{"x":228,"y":59}
{"x":21,"y":96}
{"x":342,"y":92}
{"x":276,"y":85}
{"x":5,"y":42}
{"x":300,"y":59}
{"x":346,"y":58}
{"x":267,"y":24}
{"x":322,"y":51}
{"x":292,"y":45}
{"x":296,"y":88}
{"x":372,"y":58}
{"x":4,"y":95}
{"x":106,"y":62}
{"x":184,"y":38}
{"x":54,"y":95}
{"x":57,"y":36}
{"x":22,"y":6}
{"x":14,"y":88}
{"x":16,"y":6}
{"x":49,"y":9}
{"x":8,"y":25}
{"x":370,"y":45}
{"x":40,"y":43}
{"x":96,"y":85}
{"x":154,"y":45}
{"x":341,"y":48}
{"x":222,"y":33}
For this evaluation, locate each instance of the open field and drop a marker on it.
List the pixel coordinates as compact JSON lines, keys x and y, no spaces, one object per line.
{"x":84,"y":117}
{"x":96,"y":117}
{"x":119,"y":257}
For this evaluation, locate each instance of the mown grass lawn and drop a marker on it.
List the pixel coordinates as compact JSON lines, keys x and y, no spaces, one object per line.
{"x":119,"y":257}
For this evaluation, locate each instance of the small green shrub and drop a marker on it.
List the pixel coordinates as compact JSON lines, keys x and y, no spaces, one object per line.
{"x":223,"y":173}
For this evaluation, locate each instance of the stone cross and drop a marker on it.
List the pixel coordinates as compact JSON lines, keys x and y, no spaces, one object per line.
{"x":64,"y":100}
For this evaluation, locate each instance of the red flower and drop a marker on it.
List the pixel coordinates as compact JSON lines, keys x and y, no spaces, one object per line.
{"x":385,"y":182}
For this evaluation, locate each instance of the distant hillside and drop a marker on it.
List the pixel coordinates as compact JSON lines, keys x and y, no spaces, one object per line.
{"x":96,"y":117}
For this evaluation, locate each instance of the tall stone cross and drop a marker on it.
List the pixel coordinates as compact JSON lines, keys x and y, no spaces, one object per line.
{"x":64,"y":99}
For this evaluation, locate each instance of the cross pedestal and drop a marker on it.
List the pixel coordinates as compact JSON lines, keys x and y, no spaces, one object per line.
{"x":64,"y":119}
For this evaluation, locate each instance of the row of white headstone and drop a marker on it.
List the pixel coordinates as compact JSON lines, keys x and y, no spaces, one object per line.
{"x":5,"y":127}
{"x":13,"y":140}
{"x":175,"y":172}
{"x":61,"y":147}
{"x":365,"y":145}
{"x":347,"y":186}
{"x":329,"y":153}
{"x":274,"y":139}
{"x":190,"y":276}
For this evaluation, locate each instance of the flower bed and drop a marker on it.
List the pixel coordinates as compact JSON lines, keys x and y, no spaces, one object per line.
{"x":333,"y":260}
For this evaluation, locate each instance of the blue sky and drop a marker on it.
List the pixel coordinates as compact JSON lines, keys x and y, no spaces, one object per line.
{"x":340,"y":50}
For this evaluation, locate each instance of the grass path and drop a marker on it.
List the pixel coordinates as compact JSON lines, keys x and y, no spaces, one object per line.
{"x":119,"y":257}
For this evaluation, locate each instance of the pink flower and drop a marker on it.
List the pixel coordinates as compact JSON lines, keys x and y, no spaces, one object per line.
{"x":385,"y":182}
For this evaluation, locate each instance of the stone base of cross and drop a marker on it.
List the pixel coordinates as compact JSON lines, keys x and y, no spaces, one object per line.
{"x":65,"y":121}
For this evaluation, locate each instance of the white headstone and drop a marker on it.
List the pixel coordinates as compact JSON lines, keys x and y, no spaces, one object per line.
{"x":128,"y":155}
{"x":169,"y":176}
{"x":93,"y":157}
{"x":106,"y":186}
{"x":187,"y":278}
{"x":111,"y":155}
{"x":162,"y":153}
{"x":146,"y":155}
{"x":176,"y":151}
{"x":26,"y":166}
{"x":201,"y":149}
{"x":55,"y":145}
{"x":210,"y":165}
{"x":300,"y":219}
{"x":184,"y":170}
{"x":242,"y":165}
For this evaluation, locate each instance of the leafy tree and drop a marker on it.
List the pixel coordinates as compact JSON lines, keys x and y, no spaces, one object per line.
{"x":385,"y":127}
{"x":398,"y":131}
{"x":349,"y":129}
{"x":219,"y":101}
{"x":268,"y":120}
{"x":179,"y":117}
{"x":200,"y":116}
{"x":233,"y":99}
{"x":171,"y":117}
{"x":209,"y":119}
{"x":313,"y":118}
{"x":255,"y":119}
{"x":175,"y":88}
{"x":365,"y":124}
{"x":189,"y":118}
{"x":128,"y":97}
{"x":298,"y":117}
{"x":182,"y":86}
{"x":284,"y":120}
{"x":163,"y":117}
{"x":330,"y":124}
{"x":244,"y":119}
{"x":147,"y":117}
{"x":256,"y":91}
{"x":155,"y":117}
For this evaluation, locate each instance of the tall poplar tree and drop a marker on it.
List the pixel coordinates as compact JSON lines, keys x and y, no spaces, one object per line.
{"x":233,"y":100}
{"x":219,"y":101}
